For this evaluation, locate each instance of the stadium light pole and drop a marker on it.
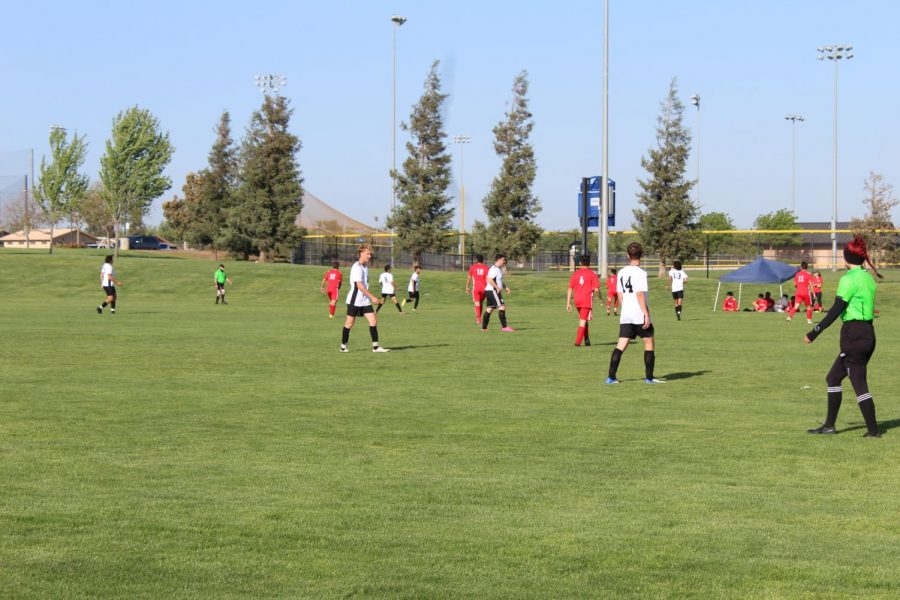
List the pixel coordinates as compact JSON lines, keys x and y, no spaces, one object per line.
{"x":695,"y":100}
{"x":462,"y":140}
{"x":603,"y":250}
{"x":269,"y":83}
{"x":793,"y":119}
{"x":834,"y":54}
{"x":398,"y":21}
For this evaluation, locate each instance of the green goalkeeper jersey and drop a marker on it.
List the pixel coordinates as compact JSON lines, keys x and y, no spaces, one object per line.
{"x":857,"y":288}
{"x":220,"y":276}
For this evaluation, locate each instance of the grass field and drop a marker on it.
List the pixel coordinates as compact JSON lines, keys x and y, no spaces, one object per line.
{"x":185,"y":450}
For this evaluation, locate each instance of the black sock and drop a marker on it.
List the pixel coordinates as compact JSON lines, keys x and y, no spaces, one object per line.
{"x":867,"y":408}
{"x":113,"y":304}
{"x":378,"y":308}
{"x":373,"y":331}
{"x":614,"y":362}
{"x":104,"y":304}
{"x":345,"y":336}
{"x":649,"y":362}
{"x":397,"y":304}
{"x":416,"y":305}
{"x":503,"y":318}
{"x":834,"y":405}
{"x":485,"y":319}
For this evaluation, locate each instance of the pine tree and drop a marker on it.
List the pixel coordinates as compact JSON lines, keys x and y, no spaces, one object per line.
{"x":422,"y":216}
{"x":269,"y":197}
{"x":213,"y":192}
{"x":877,"y":226}
{"x":667,"y":223}
{"x":510,"y":206}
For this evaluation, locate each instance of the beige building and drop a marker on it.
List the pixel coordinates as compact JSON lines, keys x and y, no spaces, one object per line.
{"x":40,"y":238}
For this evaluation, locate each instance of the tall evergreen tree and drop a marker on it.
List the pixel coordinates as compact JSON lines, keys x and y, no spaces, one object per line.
{"x":877,"y":226}
{"x":269,"y":197}
{"x":61,"y":185}
{"x":213,"y":193}
{"x":132,"y":167}
{"x":667,"y":223}
{"x":422,"y":216}
{"x":510,"y":206}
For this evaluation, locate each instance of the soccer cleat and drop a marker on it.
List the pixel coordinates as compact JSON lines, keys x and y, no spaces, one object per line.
{"x":344,"y":348}
{"x":99,"y":311}
{"x":380,"y":349}
{"x":484,"y":328}
{"x":678,"y":316}
{"x":330,"y":316}
{"x":823,"y":429}
{"x":112,"y":311}
{"x":507,"y":329}
{"x":587,"y":342}
{"x":869,"y":434}
{"x":788,"y":319}
{"x":653,"y":380}
{"x":611,"y":380}
{"x":809,"y":321}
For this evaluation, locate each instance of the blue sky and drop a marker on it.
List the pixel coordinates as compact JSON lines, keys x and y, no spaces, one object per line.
{"x":78,"y":64}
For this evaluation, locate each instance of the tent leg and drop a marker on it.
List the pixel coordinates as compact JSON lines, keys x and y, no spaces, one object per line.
{"x":740,"y":288}
{"x":716,"y":303}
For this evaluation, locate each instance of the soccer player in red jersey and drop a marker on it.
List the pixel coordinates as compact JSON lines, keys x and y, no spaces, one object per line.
{"x":584,"y":283}
{"x":801,"y":281}
{"x":730,"y":304}
{"x":478,"y":279}
{"x":612,"y":298}
{"x":817,"y":291}
{"x":333,"y":279}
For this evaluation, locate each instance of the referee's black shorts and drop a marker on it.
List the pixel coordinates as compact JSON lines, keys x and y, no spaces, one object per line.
{"x":493,"y":298}
{"x":857,"y":341}
{"x":110,"y":290}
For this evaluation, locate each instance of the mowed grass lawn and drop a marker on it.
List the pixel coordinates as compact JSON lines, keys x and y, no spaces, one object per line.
{"x":183,"y":450}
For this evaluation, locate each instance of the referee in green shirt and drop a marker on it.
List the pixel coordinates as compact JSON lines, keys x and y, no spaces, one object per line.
{"x":855,"y":304}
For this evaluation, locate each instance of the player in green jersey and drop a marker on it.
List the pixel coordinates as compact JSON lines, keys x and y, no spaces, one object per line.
{"x":221,"y":278}
{"x":855,"y":304}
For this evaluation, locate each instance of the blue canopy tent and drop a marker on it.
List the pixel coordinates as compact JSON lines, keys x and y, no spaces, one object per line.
{"x":759,"y":271}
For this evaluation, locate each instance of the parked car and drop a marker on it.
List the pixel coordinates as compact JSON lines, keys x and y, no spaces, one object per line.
{"x":143,"y":242}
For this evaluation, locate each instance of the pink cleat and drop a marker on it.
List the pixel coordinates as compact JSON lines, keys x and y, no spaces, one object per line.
{"x":507,"y":329}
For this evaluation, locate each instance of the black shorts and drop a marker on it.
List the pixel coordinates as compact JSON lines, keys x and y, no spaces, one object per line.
{"x":678,"y":294}
{"x":494,"y":298}
{"x":631,"y":331}
{"x":110,"y":290}
{"x":358,"y":311}
{"x":220,"y":286}
{"x":388,"y":295}
{"x":857,"y":341}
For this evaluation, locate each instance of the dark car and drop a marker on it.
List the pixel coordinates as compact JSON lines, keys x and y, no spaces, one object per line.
{"x":143,"y":242}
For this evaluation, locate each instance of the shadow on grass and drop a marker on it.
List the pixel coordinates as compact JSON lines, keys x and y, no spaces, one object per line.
{"x":882,"y":425}
{"x":402,"y":348}
{"x":684,"y":375}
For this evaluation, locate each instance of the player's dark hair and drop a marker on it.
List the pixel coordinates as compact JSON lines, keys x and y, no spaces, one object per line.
{"x":108,"y":258}
{"x":761,"y":296}
{"x":498,"y":256}
{"x":335,"y":265}
{"x":729,"y":293}
{"x":613,"y":271}
{"x":417,"y":268}
{"x":387,"y":268}
{"x":635,"y":251}
{"x":221,"y":266}
{"x":585,"y":260}
{"x":677,"y":265}
{"x":479,"y":258}
{"x":804,"y":265}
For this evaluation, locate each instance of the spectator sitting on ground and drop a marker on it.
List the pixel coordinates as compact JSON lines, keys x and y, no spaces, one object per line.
{"x":770,"y":303}
{"x":782,"y":304}
{"x":730,"y":304}
{"x":761,"y":305}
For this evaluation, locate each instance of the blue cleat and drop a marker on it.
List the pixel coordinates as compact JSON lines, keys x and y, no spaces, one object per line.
{"x":610,"y":381}
{"x":654,"y":381}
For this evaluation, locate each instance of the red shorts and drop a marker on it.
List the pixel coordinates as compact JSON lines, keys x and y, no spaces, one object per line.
{"x":798,"y":299}
{"x":332,"y":294}
{"x":585,"y":314}
{"x":478,"y":296}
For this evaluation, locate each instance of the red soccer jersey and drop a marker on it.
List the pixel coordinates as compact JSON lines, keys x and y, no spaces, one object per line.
{"x":761,"y":305}
{"x":583,"y":283}
{"x":611,"y":283}
{"x":334,"y":278}
{"x":801,"y":282}
{"x":478,"y":273}
{"x":816,"y":283}
{"x":730,"y":304}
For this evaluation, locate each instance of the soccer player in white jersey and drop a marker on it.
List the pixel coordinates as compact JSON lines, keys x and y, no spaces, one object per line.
{"x":413,"y":288}
{"x":387,"y":289}
{"x":493,"y":294}
{"x":108,"y":282}
{"x":635,"y":316}
{"x":677,"y":276}
{"x":360,"y":300}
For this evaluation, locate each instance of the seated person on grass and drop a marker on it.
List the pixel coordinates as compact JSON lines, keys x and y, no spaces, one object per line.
{"x":730,"y":304}
{"x":761,"y":305}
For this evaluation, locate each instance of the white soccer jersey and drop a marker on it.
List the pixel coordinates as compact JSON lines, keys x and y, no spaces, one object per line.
{"x":106,"y":275}
{"x":413,"y":283}
{"x":495,"y":273}
{"x":632,"y":280}
{"x":387,"y":283}
{"x":354,"y":296}
{"x":678,"y":277}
